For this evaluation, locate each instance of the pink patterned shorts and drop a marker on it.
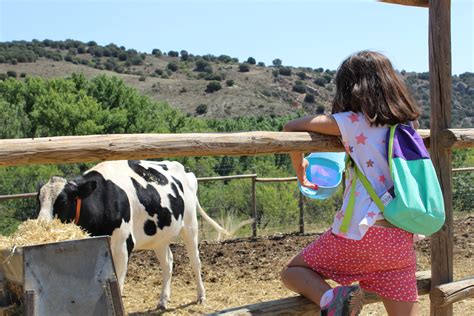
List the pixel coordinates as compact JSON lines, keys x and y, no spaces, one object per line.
{"x":383,"y":261}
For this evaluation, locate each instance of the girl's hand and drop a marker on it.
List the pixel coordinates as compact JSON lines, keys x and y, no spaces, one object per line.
{"x":301,"y":175}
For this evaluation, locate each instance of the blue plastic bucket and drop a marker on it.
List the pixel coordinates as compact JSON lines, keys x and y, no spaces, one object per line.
{"x":325,"y":170}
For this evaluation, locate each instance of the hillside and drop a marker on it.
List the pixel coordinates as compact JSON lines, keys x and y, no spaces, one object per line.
{"x":210,"y":86}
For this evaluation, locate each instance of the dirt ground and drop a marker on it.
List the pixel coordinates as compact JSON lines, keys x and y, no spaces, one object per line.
{"x":244,"y":271}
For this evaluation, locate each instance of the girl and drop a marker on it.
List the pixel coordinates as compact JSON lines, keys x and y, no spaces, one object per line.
{"x":369,"y":97}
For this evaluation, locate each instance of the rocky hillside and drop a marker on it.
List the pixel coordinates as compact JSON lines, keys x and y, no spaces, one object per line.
{"x":210,"y":86}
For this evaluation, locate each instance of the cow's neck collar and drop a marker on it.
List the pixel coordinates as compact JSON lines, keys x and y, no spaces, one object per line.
{"x":78,"y":210}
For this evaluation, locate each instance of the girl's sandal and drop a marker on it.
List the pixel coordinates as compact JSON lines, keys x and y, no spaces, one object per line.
{"x":347,"y":301}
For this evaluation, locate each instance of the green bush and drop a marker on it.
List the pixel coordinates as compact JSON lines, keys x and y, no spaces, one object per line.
{"x":285,"y":71}
{"x":201,"y":109}
{"x":203,"y":66}
{"x":244,"y":68}
{"x":184,"y":55}
{"x":261,"y":64}
{"x":172,"y":66}
{"x":216,"y":77}
{"x":302,"y":75}
{"x":309,"y":98}
{"x":229,"y":83}
{"x":299,"y":88}
{"x":213,"y":86}
{"x":224,"y":58}
{"x":156,"y":52}
{"x":173,"y":53}
{"x":320,"y":82}
{"x":277,"y":62}
{"x":251,"y":61}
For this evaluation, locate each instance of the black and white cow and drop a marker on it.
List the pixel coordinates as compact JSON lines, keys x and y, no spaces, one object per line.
{"x":140,"y":204}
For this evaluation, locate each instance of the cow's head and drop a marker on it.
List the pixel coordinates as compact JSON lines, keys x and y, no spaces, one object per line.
{"x":58,"y":197}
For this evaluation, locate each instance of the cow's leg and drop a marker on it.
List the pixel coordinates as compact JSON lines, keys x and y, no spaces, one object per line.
{"x":120,"y":255}
{"x":165,"y":257}
{"x":190,"y":238}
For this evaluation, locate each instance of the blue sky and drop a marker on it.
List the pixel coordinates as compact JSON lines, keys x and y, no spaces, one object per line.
{"x":309,"y":33}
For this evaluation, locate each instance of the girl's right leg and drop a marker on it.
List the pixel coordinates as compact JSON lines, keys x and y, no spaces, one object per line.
{"x":397,"y":308}
{"x":298,"y":277}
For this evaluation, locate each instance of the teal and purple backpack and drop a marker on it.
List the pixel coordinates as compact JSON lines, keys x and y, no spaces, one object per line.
{"x":415,"y":203}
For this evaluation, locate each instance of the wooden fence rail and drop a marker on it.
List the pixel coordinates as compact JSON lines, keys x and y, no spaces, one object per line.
{"x":299,"y":305}
{"x":69,"y":149}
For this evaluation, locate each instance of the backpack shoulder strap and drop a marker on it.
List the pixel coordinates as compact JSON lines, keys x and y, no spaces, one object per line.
{"x":359,"y":175}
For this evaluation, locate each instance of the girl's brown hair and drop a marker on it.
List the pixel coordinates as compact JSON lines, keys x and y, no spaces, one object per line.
{"x":366,"y":82}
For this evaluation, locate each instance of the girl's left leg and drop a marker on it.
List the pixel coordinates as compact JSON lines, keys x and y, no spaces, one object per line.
{"x":396,"y":308}
{"x":298,"y":277}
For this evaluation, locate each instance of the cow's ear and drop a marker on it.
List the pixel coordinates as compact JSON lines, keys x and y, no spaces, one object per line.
{"x":85,"y":189}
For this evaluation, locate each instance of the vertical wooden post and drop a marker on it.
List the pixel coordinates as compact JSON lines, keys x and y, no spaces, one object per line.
{"x":301,"y":206}
{"x":254,"y":206}
{"x":440,"y":119}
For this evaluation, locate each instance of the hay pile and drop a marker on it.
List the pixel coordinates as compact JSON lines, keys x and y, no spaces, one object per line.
{"x":33,"y":232}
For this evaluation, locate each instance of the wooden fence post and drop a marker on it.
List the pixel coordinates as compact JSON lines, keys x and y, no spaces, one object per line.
{"x":301,"y":206}
{"x":254,"y":206}
{"x":440,"y":120}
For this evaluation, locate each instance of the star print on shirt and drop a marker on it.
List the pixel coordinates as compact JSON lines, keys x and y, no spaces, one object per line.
{"x":354,"y":118}
{"x":371,"y":214}
{"x":382,"y":179}
{"x":370,"y":163}
{"x":339,"y":215}
{"x":361,"y":139}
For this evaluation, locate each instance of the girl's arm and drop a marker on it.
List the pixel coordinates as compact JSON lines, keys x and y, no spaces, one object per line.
{"x":323,"y":124}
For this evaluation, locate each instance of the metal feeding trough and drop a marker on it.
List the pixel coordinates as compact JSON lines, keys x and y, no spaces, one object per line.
{"x":75,"y":277}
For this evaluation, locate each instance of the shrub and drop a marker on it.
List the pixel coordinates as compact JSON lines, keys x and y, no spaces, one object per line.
{"x":251,"y":61}
{"x":136,"y":60}
{"x":3,"y":76}
{"x":261,"y":64}
{"x":173,"y":53}
{"x":22,"y":75}
{"x":224,"y":58}
{"x":156,"y":52}
{"x":299,"y":88}
{"x":122,"y":56}
{"x":285,"y":71}
{"x":159,"y":71}
{"x":213,"y":86}
{"x":302,"y":75}
{"x":275,"y":73}
{"x":309,"y":98}
{"x":184,"y":55}
{"x":172,"y":66}
{"x":320,"y":109}
{"x":328,"y":78}
{"x":319,"y":69}
{"x":229,"y":83}
{"x":201,"y":109}
{"x":11,"y":74}
{"x":217,"y":77}
{"x":277,"y":62}
{"x":320,"y":82}
{"x":203,"y":66}
{"x":142,"y":78}
{"x":244,"y":67}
